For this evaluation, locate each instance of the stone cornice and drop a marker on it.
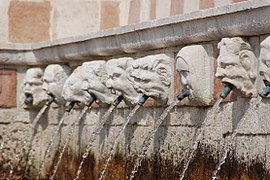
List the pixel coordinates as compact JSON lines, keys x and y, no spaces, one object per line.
{"x":247,"y":18}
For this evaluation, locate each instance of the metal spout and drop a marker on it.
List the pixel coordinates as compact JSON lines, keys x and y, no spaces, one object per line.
{"x":51,"y":100}
{"x":118,"y":100}
{"x":226,"y":91}
{"x":90,"y":101}
{"x":265,"y":91}
{"x":29,"y":99}
{"x":183,"y":95}
{"x":70,"y":106}
{"x":143,"y":99}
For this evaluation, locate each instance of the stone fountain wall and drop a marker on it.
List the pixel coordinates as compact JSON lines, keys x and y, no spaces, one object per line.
{"x":49,"y":20}
{"x":249,"y":159}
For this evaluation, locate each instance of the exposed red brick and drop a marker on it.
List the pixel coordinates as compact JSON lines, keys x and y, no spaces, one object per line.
{"x":134,"y":11}
{"x":177,"y":7}
{"x":153,"y":9}
{"x":150,"y":102}
{"x":109,"y":14}
{"x":8,"y":83}
{"x":28,"y":21}
{"x":205,"y":4}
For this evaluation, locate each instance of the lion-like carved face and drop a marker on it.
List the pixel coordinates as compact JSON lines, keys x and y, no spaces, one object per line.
{"x":118,"y":81}
{"x":151,"y":75}
{"x":34,"y":95}
{"x":237,"y":64}
{"x":86,"y":80}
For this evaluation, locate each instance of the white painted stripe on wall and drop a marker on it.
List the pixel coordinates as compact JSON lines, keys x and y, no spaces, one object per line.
{"x":191,"y":5}
{"x":124,"y":12}
{"x":145,"y":10}
{"x":222,"y":2}
{"x":4,"y":21}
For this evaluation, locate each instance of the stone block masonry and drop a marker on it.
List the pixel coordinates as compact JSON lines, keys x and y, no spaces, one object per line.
{"x":204,"y":28}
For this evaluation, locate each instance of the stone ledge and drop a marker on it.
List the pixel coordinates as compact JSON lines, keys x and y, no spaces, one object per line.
{"x":247,"y":18}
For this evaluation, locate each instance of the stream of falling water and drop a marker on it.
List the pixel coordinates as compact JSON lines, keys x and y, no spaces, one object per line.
{"x":92,"y":138}
{"x":198,"y":136}
{"x":253,"y":106}
{"x":116,"y":139}
{"x":51,"y":144}
{"x":149,"y":138}
{"x":32,"y":134}
{"x":71,"y":131}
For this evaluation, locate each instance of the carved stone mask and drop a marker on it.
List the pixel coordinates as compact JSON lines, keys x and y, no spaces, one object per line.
{"x":151,"y":75}
{"x":118,"y":81}
{"x":237,"y":64}
{"x":54,"y":78}
{"x":265,"y":61}
{"x":194,"y":68}
{"x":32,"y":88}
{"x":86,"y":80}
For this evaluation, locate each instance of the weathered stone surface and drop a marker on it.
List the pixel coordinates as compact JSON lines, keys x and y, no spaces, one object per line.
{"x":251,"y":150}
{"x":255,"y":119}
{"x":8,"y":88}
{"x":186,"y":116}
{"x":267,"y":150}
{"x":22,"y":16}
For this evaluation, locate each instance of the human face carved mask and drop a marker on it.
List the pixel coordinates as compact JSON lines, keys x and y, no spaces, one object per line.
{"x":237,"y":65}
{"x":34,"y":95}
{"x":194,"y":67}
